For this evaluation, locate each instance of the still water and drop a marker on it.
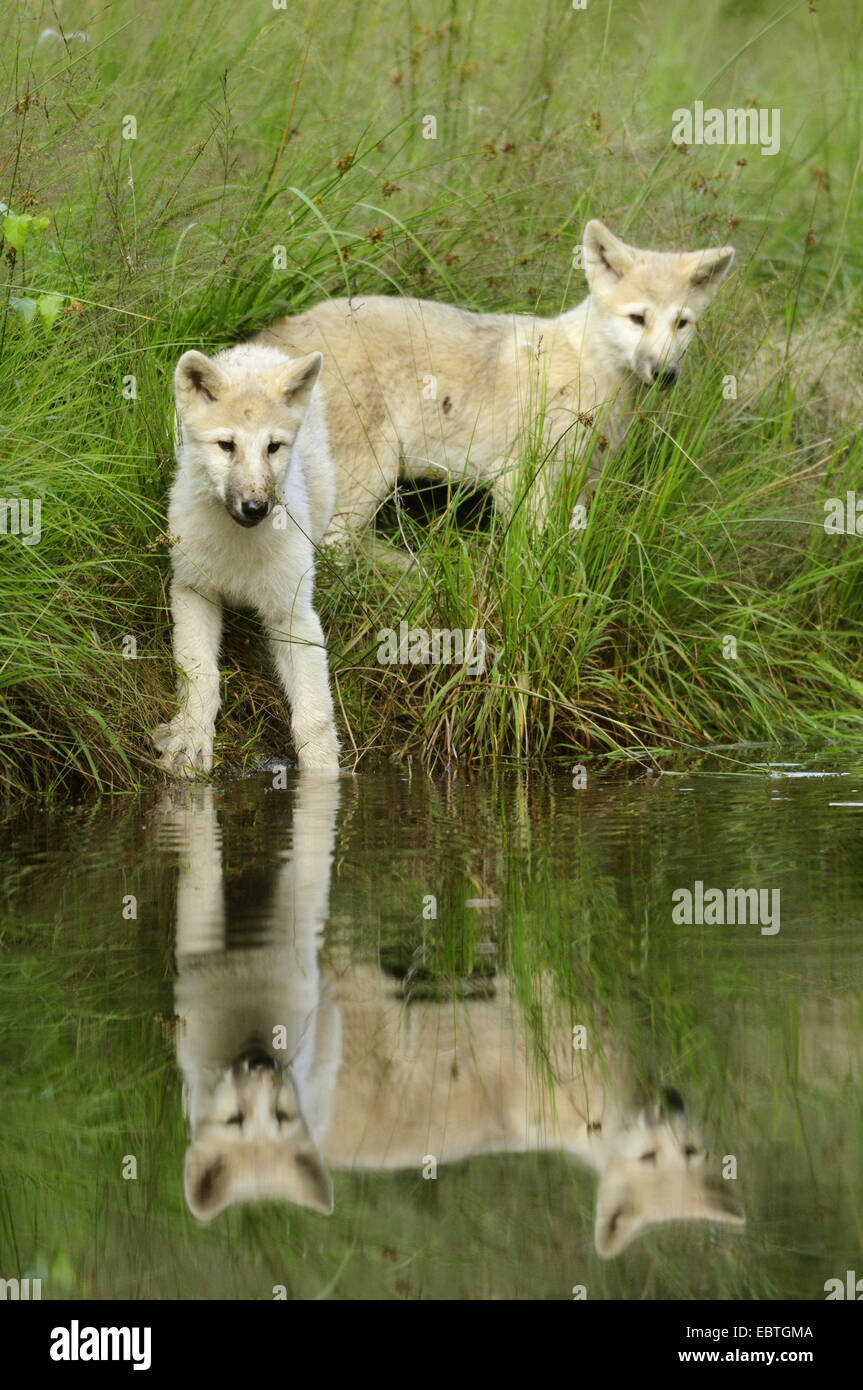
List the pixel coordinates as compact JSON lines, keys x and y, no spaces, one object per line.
{"x":390,"y":1036}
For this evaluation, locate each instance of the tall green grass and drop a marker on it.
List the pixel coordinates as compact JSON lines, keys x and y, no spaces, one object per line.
{"x":258,"y":128}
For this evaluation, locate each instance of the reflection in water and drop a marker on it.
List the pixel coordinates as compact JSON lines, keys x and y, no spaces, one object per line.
{"x":296,"y":1061}
{"x":257,"y":1033}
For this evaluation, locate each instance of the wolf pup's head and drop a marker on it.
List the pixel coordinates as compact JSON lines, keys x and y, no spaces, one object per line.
{"x":657,"y":1169}
{"x":648,"y":301}
{"x":240,"y":413}
{"x":252,"y":1141}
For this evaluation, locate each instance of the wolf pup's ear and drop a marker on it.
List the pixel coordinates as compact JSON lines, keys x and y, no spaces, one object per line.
{"x":707,"y":268}
{"x":197,"y":376}
{"x":606,"y":257}
{"x":297,"y":379}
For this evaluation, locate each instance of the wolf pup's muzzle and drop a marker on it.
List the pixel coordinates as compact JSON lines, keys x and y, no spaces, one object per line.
{"x":255,"y":1060}
{"x":665,"y":376}
{"x":251,"y":511}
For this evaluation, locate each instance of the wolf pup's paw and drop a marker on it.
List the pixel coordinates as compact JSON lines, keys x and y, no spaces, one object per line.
{"x":320,"y":754}
{"x":186,"y":751}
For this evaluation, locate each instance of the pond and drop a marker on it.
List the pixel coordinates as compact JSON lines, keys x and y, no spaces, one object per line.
{"x":534,"y":1035}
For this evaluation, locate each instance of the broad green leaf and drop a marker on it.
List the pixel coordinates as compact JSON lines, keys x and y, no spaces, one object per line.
{"x":49,"y":306}
{"x":16,"y":228}
{"x":24,"y":308}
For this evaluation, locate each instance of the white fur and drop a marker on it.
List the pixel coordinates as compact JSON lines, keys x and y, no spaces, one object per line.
{"x":255,"y":397}
{"x":429,"y":389}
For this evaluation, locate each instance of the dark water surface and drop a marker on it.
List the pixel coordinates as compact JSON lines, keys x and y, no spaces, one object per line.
{"x":400,"y":1037}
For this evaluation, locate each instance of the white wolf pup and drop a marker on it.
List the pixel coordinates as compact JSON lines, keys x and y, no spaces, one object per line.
{"x":252,"y":498}
{"x":427,"y":389}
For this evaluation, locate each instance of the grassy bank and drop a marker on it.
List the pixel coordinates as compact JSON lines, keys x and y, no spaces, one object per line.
{"x":303,"y":128}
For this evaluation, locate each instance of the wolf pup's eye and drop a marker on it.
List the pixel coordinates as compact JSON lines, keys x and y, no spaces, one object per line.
{"x":273,"y":446}
{"x":227,"y":445}
{"x":683,"y":323}
{"x":637,"y":318}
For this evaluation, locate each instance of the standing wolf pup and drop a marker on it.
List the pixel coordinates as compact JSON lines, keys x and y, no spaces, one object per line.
{"x":252,"y":498}
{"x":425,"y":388}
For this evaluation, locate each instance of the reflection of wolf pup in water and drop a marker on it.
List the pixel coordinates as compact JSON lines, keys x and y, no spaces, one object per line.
{"x":256,"y":1025}
{"x":289,"y":1071}
{"x":456,"y":1079}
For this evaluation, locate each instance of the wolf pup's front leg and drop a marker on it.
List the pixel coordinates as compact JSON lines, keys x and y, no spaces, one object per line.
{"x":186,"y":743}
{"x":299,"y":653}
